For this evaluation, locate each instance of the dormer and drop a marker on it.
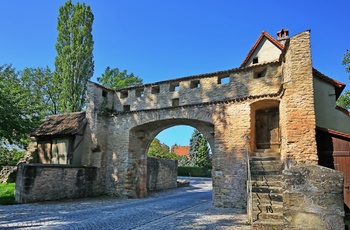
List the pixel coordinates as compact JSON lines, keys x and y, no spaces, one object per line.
{"x":266,"y":49}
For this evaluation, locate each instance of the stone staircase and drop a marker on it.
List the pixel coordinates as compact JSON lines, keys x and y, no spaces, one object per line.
{"x":267,"y":199}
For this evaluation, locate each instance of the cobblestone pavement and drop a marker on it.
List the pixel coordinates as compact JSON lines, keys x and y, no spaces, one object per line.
{"x":180,"y":208}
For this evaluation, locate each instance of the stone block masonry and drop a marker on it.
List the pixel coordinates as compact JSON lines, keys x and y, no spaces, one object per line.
{"x":38,"y":182}
{"x":313,"y":198}
{"x":161,"y":174}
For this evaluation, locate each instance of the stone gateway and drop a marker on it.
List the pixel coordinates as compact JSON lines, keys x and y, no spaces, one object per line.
{"x":269,"y":107}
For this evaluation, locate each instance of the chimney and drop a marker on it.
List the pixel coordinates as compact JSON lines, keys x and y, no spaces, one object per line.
{"x":283,"y":35}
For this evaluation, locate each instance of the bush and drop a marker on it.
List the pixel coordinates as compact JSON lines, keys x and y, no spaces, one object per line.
{"x":7,"y":194}
{"x":194,"y":171}
{"x":10,"y":157}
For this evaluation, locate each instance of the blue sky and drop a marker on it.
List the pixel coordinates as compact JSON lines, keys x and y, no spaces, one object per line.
{"x":165,"y":39}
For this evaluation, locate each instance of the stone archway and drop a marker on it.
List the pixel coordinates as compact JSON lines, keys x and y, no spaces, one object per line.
{"x":141,"y":137}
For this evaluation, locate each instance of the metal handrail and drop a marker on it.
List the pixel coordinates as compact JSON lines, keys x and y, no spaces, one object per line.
{"x":249,"y":190}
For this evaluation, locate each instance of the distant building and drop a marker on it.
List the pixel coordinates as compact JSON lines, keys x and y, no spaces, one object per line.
{"x":181,"y":150}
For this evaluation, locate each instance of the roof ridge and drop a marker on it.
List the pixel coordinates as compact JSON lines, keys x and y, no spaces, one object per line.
{"x":269,"y":37}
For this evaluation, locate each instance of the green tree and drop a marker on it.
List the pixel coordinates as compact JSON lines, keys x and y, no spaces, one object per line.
{"x":74,"y":64}
{"x":17,"y":115}
{"x":344,"y":99}
{"x":161,"y":150}
{"x":115,"y":79}
{"x":194,"y":145}
{"x":9,"y":157}
{"x":40,"y":90}
{"x":203,"y":154}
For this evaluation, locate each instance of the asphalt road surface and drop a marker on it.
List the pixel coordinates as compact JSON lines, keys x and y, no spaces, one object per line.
{"x":181,"y":208}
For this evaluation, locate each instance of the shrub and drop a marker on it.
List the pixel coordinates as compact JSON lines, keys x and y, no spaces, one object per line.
{"x":194,"y":171}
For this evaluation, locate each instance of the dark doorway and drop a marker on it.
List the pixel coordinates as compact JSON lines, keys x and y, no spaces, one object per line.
{"x":267,"y":129}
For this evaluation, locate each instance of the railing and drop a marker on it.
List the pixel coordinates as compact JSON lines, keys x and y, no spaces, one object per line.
{"x":249,"y":190}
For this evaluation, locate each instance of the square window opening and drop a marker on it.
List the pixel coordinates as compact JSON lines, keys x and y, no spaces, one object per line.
{"x":104,"y":93}
{"x":124,"y":94}
{"x":259,"y":73}
{"x":175,"y":102}
{"x":224,"y":80}
{"x":155,"y":89}
{"x":139,"y":93}
{"x":195,"y":84}
{"x":174,"y":87}
{"x":126,"y":108}
{"x":255,"y":60}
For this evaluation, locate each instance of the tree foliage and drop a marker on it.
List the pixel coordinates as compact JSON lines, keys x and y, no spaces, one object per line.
{"x":115,"y":79}
{"x":9,"y":157}
{"x":161,"y":150}
{"x":194,"y":145}
{"x":199,"y":150}
{"x":74,"y":64}
{"x":18,"y":116}
{"x":344,"y":99}
{"x":203,"y":153}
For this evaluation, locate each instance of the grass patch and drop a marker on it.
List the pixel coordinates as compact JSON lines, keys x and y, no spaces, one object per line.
{"x":7,"y":195}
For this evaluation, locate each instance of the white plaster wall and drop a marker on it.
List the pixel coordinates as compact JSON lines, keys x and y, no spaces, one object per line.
{"x":266,"y":52}
{"x":327,"y":116}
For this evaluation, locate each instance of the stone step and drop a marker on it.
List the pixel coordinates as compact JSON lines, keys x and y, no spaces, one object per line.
{"x":268,"y":158}
{"x":267,"y":208}
{"x":263,"y":172}
{"x":265,"y":198}
{"x":266,"y":167}
{"x":267,"y":225}
{"x":268,"y":178}
{"x":277,"y":190}
{"x":266,"y":183}
{"x":269,"y":216}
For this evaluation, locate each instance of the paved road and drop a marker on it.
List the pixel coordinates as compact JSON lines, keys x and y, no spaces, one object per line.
{"x":180,"y":208}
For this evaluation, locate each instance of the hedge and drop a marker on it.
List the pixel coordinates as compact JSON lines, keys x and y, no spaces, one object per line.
{"x":193,"y":171}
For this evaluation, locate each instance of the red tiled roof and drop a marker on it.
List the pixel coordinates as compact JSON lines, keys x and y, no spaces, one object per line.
{"x":262,"y":35}
{"x":181,"y":150}
{"x":331,"y":131}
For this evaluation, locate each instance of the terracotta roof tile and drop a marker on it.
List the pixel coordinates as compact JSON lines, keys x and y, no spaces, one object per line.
{"x":181,"y":150}
{"x":331,"y":131}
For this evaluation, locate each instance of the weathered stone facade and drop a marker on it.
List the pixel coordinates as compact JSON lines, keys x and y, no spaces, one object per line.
{"x":161,"y":174}
{"x":313,"y":198}
{"x":42,"y":182}
{"x":122,"y":123}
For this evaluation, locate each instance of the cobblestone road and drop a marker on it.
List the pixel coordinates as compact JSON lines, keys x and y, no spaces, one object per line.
{"x":181,"y":208}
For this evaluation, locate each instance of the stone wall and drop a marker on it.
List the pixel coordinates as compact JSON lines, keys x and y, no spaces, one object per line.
{"x":313,"y":198}
{"x":161,"y":174}
{"x":39,"y":182}
{"x":297,"y":113}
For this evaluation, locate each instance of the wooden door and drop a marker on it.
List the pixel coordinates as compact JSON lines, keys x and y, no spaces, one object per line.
{"x":341,"y":155}
{"x":267,"y":132}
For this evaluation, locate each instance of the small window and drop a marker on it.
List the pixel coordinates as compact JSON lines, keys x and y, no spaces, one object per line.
{"x":260,"y":73}
{"x":124,"y":94}
{"x":139,"y":93}
{"x":126,"y":108}
{"x":155,"y":89}
{"x":104,"y":93}
{"x":224,"y":80}
{"x":175,"y":102}
{"x":174,"y":87}
{"x":195,"y":84}
{"x":255,"y":60}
